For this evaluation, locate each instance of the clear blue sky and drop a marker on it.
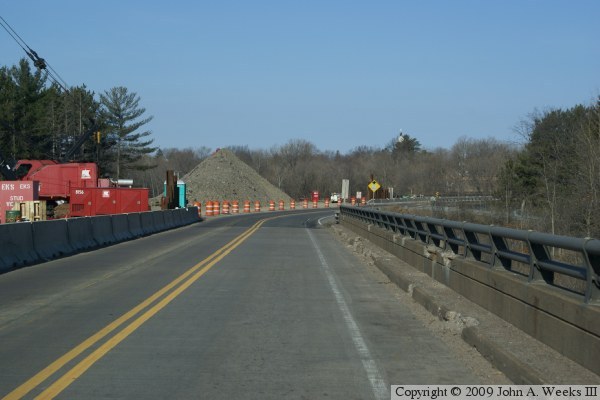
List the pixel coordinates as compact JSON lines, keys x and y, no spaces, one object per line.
{"x":339,"y":74}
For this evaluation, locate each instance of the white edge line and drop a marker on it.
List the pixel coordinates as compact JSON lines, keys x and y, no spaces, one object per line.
{"x":322,"y":218}
{"x":378,"y":385}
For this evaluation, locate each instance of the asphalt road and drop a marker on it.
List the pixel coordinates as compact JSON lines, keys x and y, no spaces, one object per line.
{"x":255,"y":306}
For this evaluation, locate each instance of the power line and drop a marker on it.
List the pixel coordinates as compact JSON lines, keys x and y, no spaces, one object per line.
{"x":12,"y":33}
{"x":56,"y":73}
{"x":38,"y":61}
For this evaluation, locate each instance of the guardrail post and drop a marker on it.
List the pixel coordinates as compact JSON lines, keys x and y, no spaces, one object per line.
{"x":424,"y":232}
{"x":432,"y":228}
{"x":592,"y":262}
{"x":452,"y":241}
{"x":389,"y":223}
{"x":499,"y":244}
{"x":538,"y":252}
{"x":470,"y":238}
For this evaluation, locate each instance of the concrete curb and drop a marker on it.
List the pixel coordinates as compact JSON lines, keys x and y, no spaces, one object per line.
{"x":520,"y":357}
{"x":515,"y":369}
{"x":432,"y":298}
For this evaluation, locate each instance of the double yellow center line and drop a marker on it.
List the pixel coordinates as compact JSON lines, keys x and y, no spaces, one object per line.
{"x":164,"y":296}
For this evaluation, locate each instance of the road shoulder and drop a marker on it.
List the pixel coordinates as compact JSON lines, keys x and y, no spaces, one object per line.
{"x":510,"y":352}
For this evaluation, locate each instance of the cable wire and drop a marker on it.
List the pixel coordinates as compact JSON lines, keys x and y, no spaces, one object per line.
{"x":38,"y":61}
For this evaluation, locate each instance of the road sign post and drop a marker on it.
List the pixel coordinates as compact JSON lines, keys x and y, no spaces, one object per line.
{"x":373,"y":186}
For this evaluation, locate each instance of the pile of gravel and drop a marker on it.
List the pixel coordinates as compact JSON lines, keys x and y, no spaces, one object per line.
{"x":223,"y":176}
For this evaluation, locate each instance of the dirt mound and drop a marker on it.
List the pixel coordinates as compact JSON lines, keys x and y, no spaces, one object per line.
{"x":223,"y":176}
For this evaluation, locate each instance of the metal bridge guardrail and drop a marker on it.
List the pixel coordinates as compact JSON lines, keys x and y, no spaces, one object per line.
{"x":494,"y":245}
{"x":428,"y":199}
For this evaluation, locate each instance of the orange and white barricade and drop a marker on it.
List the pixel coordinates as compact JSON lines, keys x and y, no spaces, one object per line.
{"x":199,"y":205}
{"x":226,"y":207}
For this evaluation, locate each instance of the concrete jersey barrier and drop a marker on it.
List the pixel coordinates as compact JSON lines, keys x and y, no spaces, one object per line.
{"x":51,"y":239}
{"x":135,"y":225}
{"x":191,"y":215}
{"x":32,"y":242}
{"x":81,"y":234}
{"x":102,"y":230}
{"x":120,"y":227}
{"x":178,"y":219}
{"x":147,"y":221}
{"x":16,"y":246}
{"x":159,"y":220}
{"x":169,"y":218}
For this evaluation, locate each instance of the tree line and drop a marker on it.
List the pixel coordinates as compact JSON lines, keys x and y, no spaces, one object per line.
{"x":553,"y":175}
{"x":556,"y":175}
{"x":549,"y":182}
{"x":41,"y":121}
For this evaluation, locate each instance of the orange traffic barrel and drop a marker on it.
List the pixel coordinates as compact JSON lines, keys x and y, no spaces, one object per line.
{"x":216,"y":208}
{"x":235,"y":207}
{"x":363,"y":201}
{"x":292,"y":204}
{"x":209,"y":208}
{"x":225,"y":210}
{"x":246,"y":206}
{"x":197,"y":204}
{"x":326,"y":202}
{"x":281,"y":205}
{"x":257,"y":206}
{"x":271,"y":205}
{"x":305,"y":203}
{"x":353,"y":201}
{"x":315,"y":203}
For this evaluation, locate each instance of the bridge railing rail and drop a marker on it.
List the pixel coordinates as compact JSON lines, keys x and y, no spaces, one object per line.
{"x":428,"y":199}
{"x":499,"y":247}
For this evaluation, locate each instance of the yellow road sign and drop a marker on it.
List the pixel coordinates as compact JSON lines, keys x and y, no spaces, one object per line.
{"x":374,"y":186}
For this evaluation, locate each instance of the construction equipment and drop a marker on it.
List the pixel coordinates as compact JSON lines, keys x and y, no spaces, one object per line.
{"x":68,"y":188}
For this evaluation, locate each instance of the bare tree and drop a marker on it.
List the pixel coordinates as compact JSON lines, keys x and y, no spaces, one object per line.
{"x":588,"y":170}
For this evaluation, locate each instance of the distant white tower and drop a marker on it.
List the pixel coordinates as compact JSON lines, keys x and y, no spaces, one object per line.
{"x":400,"y":137}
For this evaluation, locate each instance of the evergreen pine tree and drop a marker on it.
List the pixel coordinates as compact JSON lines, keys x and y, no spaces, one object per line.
{"x":124,"y":144}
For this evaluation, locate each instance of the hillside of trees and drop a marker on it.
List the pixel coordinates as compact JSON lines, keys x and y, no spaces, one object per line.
{"x":553,"y":175}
